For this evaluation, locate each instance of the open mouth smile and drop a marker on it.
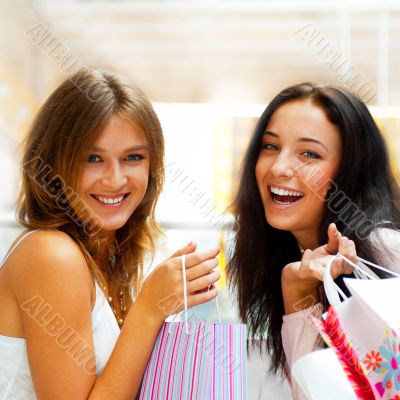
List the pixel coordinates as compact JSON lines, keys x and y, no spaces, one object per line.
{"x":283,"y":196}
{"x":108,"y":201}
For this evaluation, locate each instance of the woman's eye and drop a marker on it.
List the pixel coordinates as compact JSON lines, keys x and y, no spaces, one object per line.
{"x":135,"y":157}
{"x":269,"y":146}
{"x":311,"y":154}
{"x":93,"y":158}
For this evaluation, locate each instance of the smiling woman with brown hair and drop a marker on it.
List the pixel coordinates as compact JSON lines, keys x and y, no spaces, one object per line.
{"x":92,"y":173}
{"x":57,"y":159}
{"x":316,"y":177}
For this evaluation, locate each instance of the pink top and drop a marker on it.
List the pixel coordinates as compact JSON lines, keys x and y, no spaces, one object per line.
{"x":300,"y":336}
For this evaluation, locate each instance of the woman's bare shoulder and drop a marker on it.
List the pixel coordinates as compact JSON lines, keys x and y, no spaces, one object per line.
{"x":52,"y":286}
{"x":47,"y":257}
{"x":47,"y":244}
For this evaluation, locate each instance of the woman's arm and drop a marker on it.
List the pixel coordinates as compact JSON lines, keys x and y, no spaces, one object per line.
{"x":300,"y":337}
{"x":53,"y":285}
{"x":300,"y":289}
{"x":123,"y":373}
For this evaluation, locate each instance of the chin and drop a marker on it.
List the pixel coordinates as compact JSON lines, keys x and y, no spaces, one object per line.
{"x":113,"y":226}
{"x":280,"y":224}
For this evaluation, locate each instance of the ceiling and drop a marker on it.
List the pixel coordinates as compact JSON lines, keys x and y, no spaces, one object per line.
{"x":232,"y":51}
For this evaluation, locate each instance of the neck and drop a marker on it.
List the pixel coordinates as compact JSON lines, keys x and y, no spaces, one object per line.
{"x":306,"y":239}
{"x":110,"y":235}
{"x":103,"y":255}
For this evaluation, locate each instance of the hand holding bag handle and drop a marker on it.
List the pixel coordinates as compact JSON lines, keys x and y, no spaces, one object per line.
{"x":185,"y":295}
{"x":333,"y":292}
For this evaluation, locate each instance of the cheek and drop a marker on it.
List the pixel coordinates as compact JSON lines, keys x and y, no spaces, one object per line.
{"x":140,"y":177}
{"x":316,"y":180}
{"x":261,"y":170}
{"x":145,"y":183}
{"x":85,"y":180}
{"x":330,"y":174}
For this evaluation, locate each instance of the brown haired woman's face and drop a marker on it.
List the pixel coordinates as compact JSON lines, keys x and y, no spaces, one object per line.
{"x":115,"y":173}
{"x":300,"y":155}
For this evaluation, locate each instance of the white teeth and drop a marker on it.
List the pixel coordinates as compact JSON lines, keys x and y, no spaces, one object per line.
{"x":110,"y":201}
{"x":282,"y":192}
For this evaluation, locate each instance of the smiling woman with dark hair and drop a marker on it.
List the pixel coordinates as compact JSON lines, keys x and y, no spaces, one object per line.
{"x":315,"y":181}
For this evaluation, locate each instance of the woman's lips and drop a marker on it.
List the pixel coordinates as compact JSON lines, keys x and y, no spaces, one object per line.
{"x":110,"y":205}
{"x":284,"y":197}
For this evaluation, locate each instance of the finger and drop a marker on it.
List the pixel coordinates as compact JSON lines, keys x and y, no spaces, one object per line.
{"x":189,"y":248}
{"x":204,"y":290}
{"x":333,"y":239}
{"x":200,"y":298}
{"x":193,"y":259}
{"x":348,"y":249}
{"x":305,"y":263}
{"x":317,"y":267}
{"x":337,"y":267}
{"x":201,"y":269}
{"x":203,"y":282}
{"x":316,"y":270}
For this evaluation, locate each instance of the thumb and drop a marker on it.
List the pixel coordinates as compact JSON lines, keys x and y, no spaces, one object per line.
{"x":334,"y":236}
{"x":189,"y":248}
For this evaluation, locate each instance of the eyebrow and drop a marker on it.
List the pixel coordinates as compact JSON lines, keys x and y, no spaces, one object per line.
{"x":304,"y":139}
{"x":134,"y":148}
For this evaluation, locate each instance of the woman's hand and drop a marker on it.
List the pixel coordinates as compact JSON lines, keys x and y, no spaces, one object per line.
{"x":300,"y":280}
{"x":162,"y":291}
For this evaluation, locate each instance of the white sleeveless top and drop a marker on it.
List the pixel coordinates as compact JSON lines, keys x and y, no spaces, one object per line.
{"x":15,"y":376}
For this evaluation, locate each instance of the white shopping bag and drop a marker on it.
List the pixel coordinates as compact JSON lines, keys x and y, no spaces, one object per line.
{"x":321,"y":377}
{"x":371,"y":322}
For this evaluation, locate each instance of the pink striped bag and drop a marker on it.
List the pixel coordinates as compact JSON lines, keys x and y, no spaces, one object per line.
{"x":197,"y":360}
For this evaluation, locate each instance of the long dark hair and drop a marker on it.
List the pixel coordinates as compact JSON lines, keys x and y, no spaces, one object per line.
{"x":364,"y":181}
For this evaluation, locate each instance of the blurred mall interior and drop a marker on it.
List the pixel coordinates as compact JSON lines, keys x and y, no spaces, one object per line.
{"x":210,"y":67}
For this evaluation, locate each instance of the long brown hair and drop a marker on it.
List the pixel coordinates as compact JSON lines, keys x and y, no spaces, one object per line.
{"x":262,"y":251}
{"x":66,"y":126}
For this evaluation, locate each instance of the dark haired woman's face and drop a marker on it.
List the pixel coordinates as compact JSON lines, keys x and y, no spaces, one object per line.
{"x":300,"y":154}
{"x":115,"y":173}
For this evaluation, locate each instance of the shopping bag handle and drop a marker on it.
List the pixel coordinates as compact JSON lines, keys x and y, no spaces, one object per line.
{"x":185,"y":295}
{"x":333,"y":292}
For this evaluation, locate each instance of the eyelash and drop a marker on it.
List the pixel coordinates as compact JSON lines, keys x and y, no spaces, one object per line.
{"x":311,"y":154}
{"x":138,"y":157}
{"x":269,"y":146}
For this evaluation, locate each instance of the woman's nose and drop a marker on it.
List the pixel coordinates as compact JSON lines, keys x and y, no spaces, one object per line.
{"x":283,"y":166}
{"x":114,"y":176}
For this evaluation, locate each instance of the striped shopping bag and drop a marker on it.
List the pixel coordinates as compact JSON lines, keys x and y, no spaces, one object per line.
{"x":197,"y":361}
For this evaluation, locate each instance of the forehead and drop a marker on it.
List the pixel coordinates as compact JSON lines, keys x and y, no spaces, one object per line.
{"x":120,"y":133}
{"x":300,"y":118}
